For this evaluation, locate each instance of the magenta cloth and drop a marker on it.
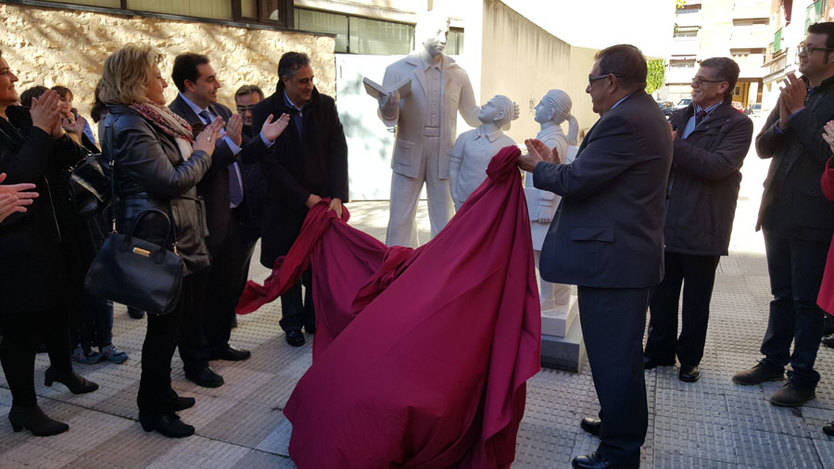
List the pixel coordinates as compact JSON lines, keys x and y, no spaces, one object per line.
{"x":421,"y":356}
{"x":825,"y":300}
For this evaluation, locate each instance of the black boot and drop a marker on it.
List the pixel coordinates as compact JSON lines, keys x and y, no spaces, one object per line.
{"x":169,"y":425}
{"x":75,"y":383}
{"x":34,"y":420}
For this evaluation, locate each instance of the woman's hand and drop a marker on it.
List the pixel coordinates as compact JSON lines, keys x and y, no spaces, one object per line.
{"x":271,"y":130}
{"x":206,"y":140}
{"x":336,"y":206}
{"x":46,"y":113}
{"x":15,"y":197}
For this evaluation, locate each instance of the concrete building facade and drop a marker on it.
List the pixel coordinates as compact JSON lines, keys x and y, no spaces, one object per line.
{"x":719,"y":28}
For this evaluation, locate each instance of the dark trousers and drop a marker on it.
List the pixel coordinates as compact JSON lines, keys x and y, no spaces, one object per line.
{"x":613,"y":320}
{"x":22,"y":333}
{"x":697,"y":275}
{"x":192,"y":343}
{"x":156,"y":396}
{"x":294,"y":313}
{"x":795,"y":267}
{"x":227,"y":277}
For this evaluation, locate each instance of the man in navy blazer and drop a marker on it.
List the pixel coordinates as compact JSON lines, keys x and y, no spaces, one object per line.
{"x":607,"y":238}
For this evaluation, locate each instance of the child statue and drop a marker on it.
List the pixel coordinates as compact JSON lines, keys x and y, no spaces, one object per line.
{"x":474,"y":148}
{"x":553,"y":109}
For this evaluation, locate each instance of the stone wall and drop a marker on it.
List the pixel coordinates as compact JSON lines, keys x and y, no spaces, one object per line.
{"x":46,"y":46}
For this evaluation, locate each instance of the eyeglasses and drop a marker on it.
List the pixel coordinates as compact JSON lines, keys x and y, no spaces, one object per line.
{"x":803,"y":49}
{"x":593,"y":78}
{"x":245,"y":108}
{"x":698,"y":81}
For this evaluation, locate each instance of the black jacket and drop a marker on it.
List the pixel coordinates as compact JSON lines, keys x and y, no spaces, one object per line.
{"x":214,"y":188}
{"x":34,"y":268}
{"x":792,"y":201}
{"x":149,"y":172}
{"x":296,"y":166}
{"x":705,"y":179}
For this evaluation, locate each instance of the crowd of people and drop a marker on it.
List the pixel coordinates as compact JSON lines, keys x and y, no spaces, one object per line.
{"x":646,"y":213}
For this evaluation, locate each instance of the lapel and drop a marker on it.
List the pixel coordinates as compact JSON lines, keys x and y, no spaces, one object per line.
{"x":182,"y":109}
{"x":419,"y":72}
{"x":586,"y":139}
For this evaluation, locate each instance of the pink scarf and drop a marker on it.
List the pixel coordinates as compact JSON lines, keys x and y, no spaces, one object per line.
{"x":165,"y":119}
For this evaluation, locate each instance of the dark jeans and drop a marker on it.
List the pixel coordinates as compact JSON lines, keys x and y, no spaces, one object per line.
{"x":613,"y":320}
{"x":227,"y":277}
{"x":192,"y":342}
{"x":795,"y":267}
{"x":294,"y":314}
{"x":697,"y":275}
{"x":156,"y":396}
{"x":22,"y":333}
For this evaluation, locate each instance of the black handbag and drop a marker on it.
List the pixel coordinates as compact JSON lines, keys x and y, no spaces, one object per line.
{"x":90,"y":185}
{"x":136,"y":272}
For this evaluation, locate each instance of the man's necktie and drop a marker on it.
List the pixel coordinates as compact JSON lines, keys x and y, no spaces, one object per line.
{"x":699,"y":116}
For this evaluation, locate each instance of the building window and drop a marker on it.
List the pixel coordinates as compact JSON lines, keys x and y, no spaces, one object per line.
{"x":323,"y":22}
{"x":359,"y":35}
{"x":777,"y":41}
{"x":277,"y":12}
{"x":214,"y":9}
{"x":97,"y":3}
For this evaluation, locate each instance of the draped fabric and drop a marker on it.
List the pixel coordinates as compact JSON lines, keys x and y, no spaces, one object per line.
{"x":826,"y":295}
{"x":421,"y":355}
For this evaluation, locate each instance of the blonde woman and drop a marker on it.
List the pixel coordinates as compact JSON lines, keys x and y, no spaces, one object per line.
{"x":157,"y":165}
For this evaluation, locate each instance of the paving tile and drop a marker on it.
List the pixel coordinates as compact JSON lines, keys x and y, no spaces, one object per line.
{"x":772,"y":450}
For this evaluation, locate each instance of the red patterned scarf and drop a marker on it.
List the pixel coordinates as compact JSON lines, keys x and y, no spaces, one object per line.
{"x":165,"y":119}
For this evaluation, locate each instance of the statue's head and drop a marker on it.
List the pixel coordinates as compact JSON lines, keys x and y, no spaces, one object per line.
{"x":431,"y":31}
{"x":498,"y":110}
{"x":555,"y":106}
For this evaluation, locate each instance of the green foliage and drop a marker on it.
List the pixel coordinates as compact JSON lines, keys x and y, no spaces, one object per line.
{"x":656,"y":73}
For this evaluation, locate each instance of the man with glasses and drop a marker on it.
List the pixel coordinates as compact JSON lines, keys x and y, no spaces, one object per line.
{"x":607,"y":238}
{"x":797,"y":221}
{"x":252,"y":212}
{"x":711,"y":139}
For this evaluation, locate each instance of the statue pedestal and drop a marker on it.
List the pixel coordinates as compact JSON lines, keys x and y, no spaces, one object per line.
{"x":562,"y":345}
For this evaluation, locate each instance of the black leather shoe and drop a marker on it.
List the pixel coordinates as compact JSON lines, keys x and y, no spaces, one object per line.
{"x":829,"y":429}
{"x":206,"y":378}
{"x":231,"y":354}
{"x":295,"y":338}
{"x":135,"y":313}
{"x":75,"y":383}
{"x":591,"y":425}
{"x":183,"y":403}
{"x":689,"y":374}
{"x":828,"y":341}
{"x":598,"y":461}
{"x":650,"y":363}
{"x":34,"y":420}
{"x":169,"y":425}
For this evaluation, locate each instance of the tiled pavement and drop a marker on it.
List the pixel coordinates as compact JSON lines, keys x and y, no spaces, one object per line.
{"x":709,"y":424}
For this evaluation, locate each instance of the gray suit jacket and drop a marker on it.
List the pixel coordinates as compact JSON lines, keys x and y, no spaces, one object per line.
{"x":608,"y":231}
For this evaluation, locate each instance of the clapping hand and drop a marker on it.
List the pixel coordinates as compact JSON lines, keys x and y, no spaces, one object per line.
{"x":791,"y":98}
{"x":271,"y":130}
{"x":206,"y":139}
{"x":537,"y":152}
{"x":46,"y":113}
{"x":234,"y":129}
{"x":15,"y":197}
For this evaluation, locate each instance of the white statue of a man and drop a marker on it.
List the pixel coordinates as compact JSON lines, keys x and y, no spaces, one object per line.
{"x":474,"y":148}
{"x":553,"y":109}
{"x":425,"y":120}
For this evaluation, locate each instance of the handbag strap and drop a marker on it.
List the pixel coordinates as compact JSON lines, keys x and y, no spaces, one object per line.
{"x":105,"y":151}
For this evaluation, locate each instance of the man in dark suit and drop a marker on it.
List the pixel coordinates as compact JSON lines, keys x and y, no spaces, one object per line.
{"x":246,"y":98}
{"x":710,"y":142}
{"x":797,"y":221}
{"x":607,"y":238}
{"x":306,"y":163}
{"x":207,"y":337}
